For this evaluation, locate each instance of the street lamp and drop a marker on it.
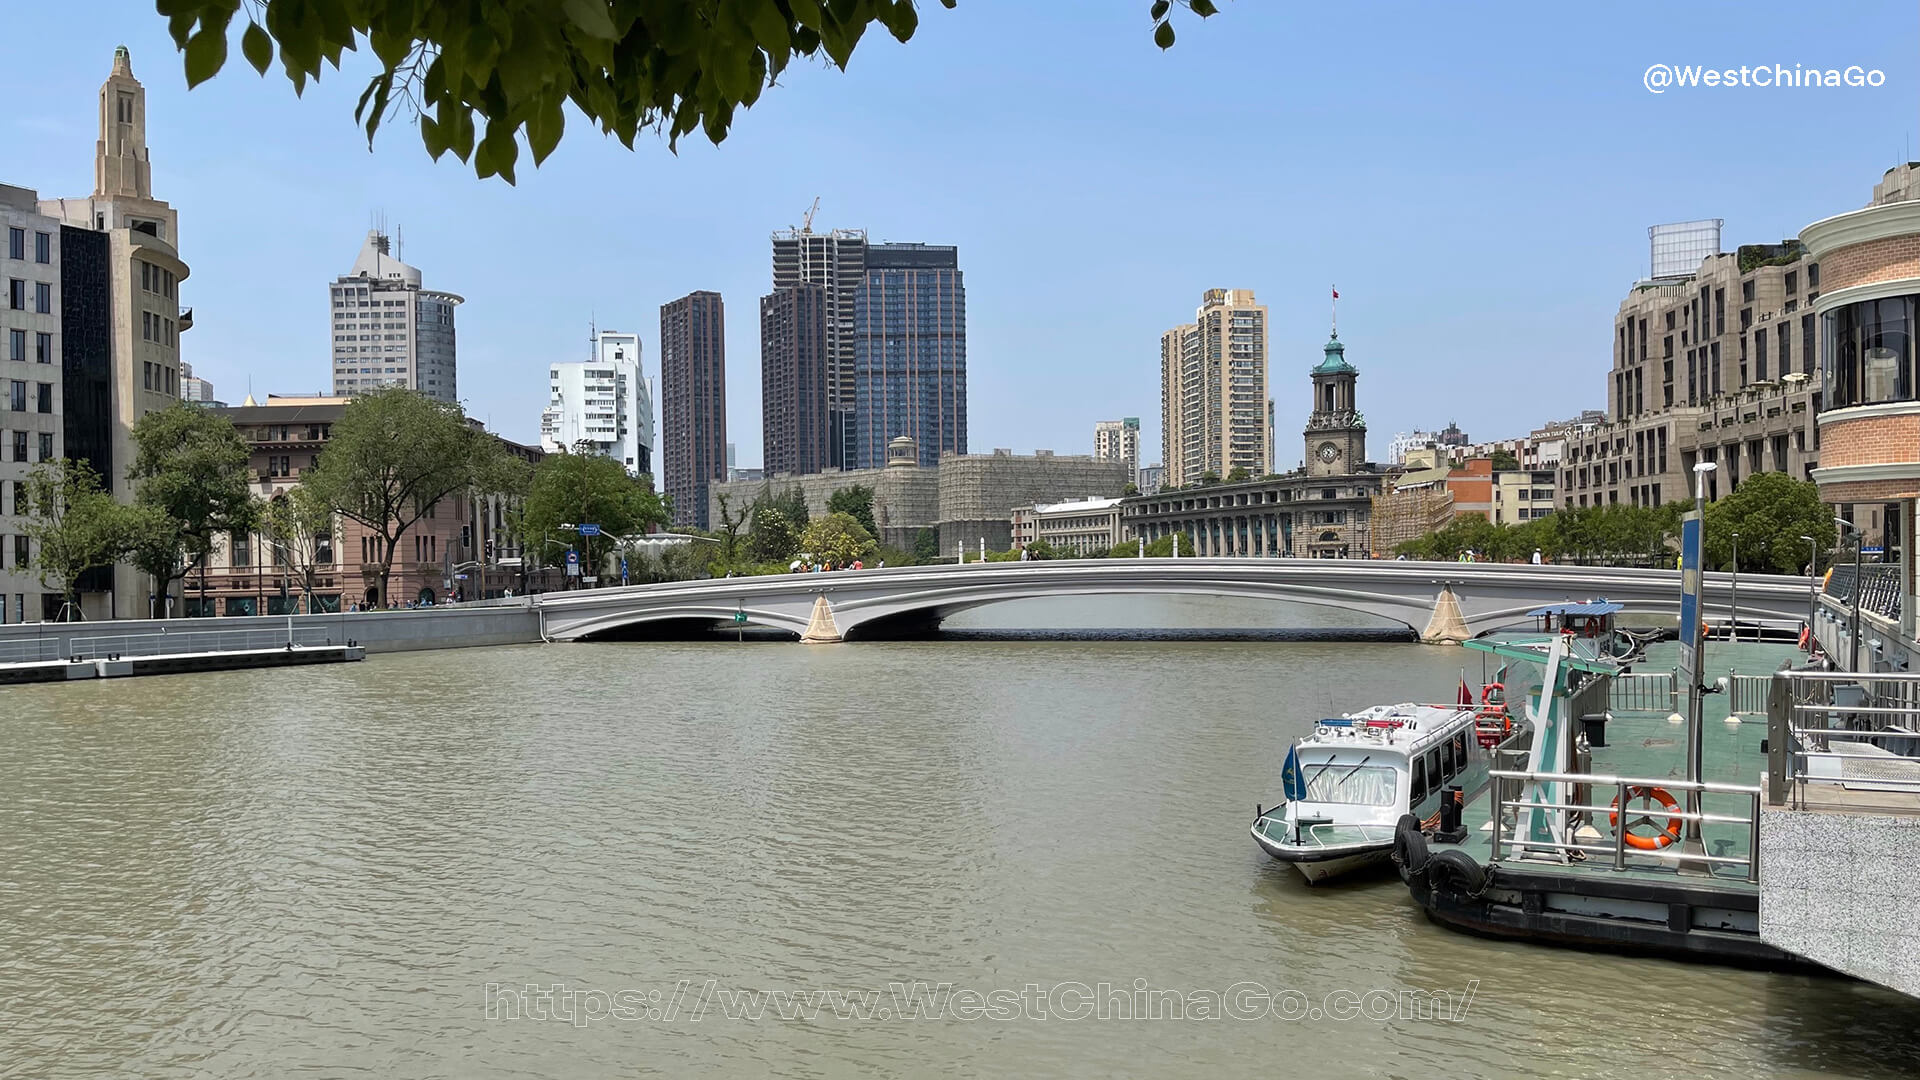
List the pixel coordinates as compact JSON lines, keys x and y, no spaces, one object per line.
{"x":1692,"y":636}
{"x":1733,"y":620}
{"x":1813,"y":586}
{"x":1853,"y":633}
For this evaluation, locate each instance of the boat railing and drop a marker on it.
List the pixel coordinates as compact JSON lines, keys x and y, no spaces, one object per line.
{"x":1618,"y":849}
{"x":1844,"y":740}
{"x":98,"y":646}
{"x":1642,"y":692}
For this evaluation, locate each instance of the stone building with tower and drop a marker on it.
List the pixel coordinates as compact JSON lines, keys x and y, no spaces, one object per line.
{"x":1323,"y":510}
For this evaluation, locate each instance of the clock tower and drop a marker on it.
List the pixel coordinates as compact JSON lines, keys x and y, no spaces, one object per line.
{"x":1336,"y":435}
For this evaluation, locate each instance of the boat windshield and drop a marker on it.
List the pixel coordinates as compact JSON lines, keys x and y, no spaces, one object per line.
{"x":1363,"y":785}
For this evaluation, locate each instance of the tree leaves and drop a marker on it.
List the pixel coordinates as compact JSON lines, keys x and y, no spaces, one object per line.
{"x":257,"y":47}
{"x":510,"y":67}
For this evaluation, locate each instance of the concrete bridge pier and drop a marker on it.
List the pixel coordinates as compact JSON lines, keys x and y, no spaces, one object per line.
{"x":821,"y":629}
{"x":1447,"y":626}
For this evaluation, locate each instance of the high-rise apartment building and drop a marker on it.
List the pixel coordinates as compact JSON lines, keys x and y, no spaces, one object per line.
{"x":1213,"y":387}
{"x":909,"y":354}
{"x":603,"y":405}
{"x":120,"y":321}
{"x":31,"y":393}
{"x":1119,"y":440}
{"x":796,"y":377}
{"x":836,"y":261}
{"x":693,"y":402}
{"x":388,"y":330}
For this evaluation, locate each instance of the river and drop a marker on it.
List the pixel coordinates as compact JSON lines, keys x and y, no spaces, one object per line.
{"x":322,"y":871}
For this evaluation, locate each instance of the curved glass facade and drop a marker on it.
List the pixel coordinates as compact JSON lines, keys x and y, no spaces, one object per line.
{"x":1870,"y":353}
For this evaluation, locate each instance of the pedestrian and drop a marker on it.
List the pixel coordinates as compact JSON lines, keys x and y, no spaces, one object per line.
{"x":1536,"y":556}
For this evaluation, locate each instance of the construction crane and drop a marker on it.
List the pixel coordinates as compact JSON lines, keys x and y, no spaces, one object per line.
{"x":806,"y":223}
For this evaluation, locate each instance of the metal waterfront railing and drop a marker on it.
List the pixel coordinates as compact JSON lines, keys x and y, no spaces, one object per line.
{"x":1843,"y":738}
{"x":1623,"y":855}
{"x":29,"y":650}
{"x":1747,"y":694}
{"x":97,"y":646}
{"x":1650,"y":692}
{"x":1878,"y":585}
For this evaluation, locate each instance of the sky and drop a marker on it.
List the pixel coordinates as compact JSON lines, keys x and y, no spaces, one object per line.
{"x":1477,"y":179}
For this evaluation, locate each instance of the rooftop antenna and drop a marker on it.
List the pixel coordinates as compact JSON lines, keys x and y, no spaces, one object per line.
{"x":400,"y":243}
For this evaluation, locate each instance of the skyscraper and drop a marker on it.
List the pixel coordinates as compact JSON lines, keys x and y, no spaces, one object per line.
{"x":604,"y":403}
{"x":795,"y":381}
{"x":119,"y":309}
{"x":1119,"y":440}
{"x":909,"y":354}
{"x":693,"y":402}
{"x":835,"y":261}
{"x":1213,"y":387}
{"x":388,"y":330}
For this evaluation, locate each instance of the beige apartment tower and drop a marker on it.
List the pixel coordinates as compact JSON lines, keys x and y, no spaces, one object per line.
{"x":1213,"y":391}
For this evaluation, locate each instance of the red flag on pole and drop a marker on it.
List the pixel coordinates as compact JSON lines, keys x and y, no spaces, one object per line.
{"x":1336,"y":294}
{"x":1466,"y":694}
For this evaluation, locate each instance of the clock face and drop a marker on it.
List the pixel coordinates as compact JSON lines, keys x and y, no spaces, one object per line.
{"x":1328,"y":452}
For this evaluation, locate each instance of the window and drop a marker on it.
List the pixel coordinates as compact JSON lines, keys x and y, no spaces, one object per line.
{"x":1339,"y":782}
{"x":1419,"y":791}
{"x":17,"y":294}
{"x":46,"y":446}
{"x":42,"y":349}
{"x":22,"y":555}
{"x":17,"y":345}
{"x":16,"y":243}
{"x":1870,"y":352}
{"x":42,"y":247}
{"x":43,"y":398}
{"x":43,"y":298}
{"x":17,"y":396}
{"x":19,"y":446}
{"x":240,"y":549}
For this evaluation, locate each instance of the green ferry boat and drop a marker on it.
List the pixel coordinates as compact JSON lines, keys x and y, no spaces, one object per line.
{"x":1596,"y":830}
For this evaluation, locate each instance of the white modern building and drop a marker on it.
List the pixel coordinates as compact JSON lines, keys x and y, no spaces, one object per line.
{"x":604,"y":403}
{"x":199,"y":391}
{"x":1119,"y":440}
{"x":388,"y":330}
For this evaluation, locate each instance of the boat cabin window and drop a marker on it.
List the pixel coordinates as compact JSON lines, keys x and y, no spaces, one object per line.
{"x":1345,"y":782}
{"x":1460,"y":751}
{"x":1435,"y":775}
{"x":1419,"y":782}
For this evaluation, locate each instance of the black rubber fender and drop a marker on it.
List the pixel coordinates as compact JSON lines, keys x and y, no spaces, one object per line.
{"x":1455,"y":871}
{"x":1409,"y":847}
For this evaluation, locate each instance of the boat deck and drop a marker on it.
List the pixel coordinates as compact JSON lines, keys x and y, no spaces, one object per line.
{"x":1648,"y":745}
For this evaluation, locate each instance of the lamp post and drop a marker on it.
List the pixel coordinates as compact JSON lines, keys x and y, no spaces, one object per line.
{"x":1813,"y":583}
{"x":1692,"y":636}
{"x":1733,"y":619}
{"x":1853,"y":629}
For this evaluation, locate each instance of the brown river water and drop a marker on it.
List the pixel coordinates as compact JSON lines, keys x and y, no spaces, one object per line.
{"x":599,"y":860}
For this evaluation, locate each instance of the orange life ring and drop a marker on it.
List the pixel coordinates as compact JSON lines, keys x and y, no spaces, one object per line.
{"x":1494,"y":721}
{"x":1806,"y":635}
{"x":1666,"y":836}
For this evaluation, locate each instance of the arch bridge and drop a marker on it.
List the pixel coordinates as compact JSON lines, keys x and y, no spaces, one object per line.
{"x":1437,"y":601}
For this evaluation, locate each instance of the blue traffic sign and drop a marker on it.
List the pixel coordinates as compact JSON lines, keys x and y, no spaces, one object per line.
{"x":589,"y":530}
{"x":573,"y":558}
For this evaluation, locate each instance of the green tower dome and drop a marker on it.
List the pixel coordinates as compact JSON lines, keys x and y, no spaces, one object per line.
{"x":1336,"y":360}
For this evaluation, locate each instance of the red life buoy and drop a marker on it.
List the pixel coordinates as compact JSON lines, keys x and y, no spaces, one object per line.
{"x":1665,"y":836}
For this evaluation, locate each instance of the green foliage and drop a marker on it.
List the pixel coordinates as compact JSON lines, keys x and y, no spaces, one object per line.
{"x":1504,"y":461}
{"x":74,"y":524}
{"x":858,"y":501}
{"x":1158,"y":549}
{"x":481,"y":76}
{"x":1209,"y":478}
{"x":1771,"y":512}
{"x":574,"y":489}
{"x":926,"y":546}
{"x":728,"y":534}
{"x":394,"y":453}
{"x":1616,"y":533}
{"x":791,"y":502}
{"x":837,"y":540}
{"x":1238,"y":474}
{"x":774,"y":537}
{"x":191,"y":466}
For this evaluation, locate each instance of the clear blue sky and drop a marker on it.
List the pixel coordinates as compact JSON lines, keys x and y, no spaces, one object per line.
{"x":1477,"y":179}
